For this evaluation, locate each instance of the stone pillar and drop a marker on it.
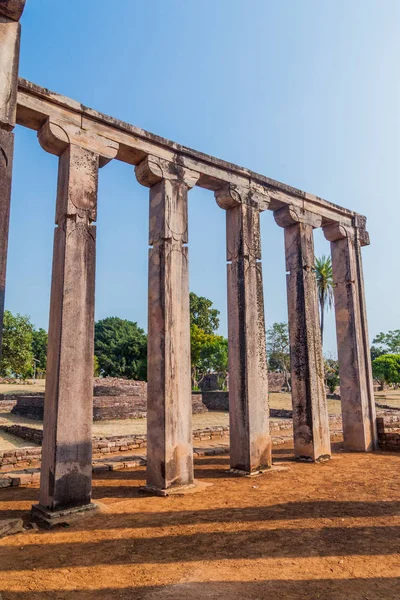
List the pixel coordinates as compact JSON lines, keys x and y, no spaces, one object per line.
{"x":10,"y":32}
{"x":66,"y":471}
{"x":250,"y":440}
{"x":310,"y":411}
{"x":169,"y":404}
{"x":356,"y":386}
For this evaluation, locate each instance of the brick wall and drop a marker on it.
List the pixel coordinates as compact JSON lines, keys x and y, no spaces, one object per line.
{"x":389,"y":432}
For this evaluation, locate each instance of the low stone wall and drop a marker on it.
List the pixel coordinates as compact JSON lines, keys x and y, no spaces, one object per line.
{"x":7,"y":403}
{"x":389,"y":432}
{"x":25,"y":457}
{"x":111,"y":407}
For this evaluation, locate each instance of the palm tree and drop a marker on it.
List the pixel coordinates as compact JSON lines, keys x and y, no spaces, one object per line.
{"x":324,"y":275}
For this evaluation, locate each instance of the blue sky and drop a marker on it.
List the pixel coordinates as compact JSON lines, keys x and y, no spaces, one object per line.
{"x":303,"y":91}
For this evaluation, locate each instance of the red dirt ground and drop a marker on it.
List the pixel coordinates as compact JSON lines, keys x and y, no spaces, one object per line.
{"x":325,"y":531}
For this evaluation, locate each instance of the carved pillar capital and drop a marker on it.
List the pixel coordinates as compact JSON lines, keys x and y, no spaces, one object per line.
{"x":154,"y":169}
{"x":290,"y":215}
{"x":337,"y":231}
{"x":357,"y":231}
{"x":12,"y":9}
{"x":56,"y":135}
{"x":231,"y":195}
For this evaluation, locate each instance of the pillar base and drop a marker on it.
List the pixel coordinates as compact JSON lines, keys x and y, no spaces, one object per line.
{"x":181,"y":490}
{"x":52,"y":518}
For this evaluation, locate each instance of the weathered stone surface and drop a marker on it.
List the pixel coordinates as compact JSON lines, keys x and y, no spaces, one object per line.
{"x":310,"y":411}
{"x":6,"y":161}
{"x":356,"y":386}
{"x":169,"y":410}
{"x":248,"y":376}
{"x":12,"y":9}
{"x":10,"y":527}
{"x":67,"y":442}
{"x":10,"y":33}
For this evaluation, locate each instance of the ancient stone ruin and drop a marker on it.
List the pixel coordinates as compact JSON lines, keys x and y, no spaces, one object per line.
{"x":86,"y":140}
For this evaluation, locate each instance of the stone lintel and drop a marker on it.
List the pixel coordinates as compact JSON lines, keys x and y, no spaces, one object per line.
{"x":290,"y":215}
{"x":56,"y":136}
{"x":231,"y":195}
{"x":12,"y":9}
{"x":153,"y":169}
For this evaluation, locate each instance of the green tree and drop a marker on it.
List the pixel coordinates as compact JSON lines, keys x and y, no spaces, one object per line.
{"x":386,"y":369}
{"x":209,"y":354}
{"x":331,"y":371}
{"x":375,"y":352}
{"x":17,"y":355}
{"x":278,"y":348}
{"x":39,"y":349}
{"x":202,"y":314}
{"x":121,"y":348}
{"x":324,"y":275}
{"x":388,"y":342}
{"x":96,"y":367}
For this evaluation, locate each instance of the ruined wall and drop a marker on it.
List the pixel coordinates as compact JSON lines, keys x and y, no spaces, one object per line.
{"x":389,"y":432}
{"x":276,"y":381}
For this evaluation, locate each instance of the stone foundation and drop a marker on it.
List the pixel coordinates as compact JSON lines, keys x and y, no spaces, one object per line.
{"x":389,"y":432}
{"x":27,"y":457}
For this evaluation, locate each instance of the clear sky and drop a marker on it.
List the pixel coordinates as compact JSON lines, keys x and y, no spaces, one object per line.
{"x":303,"y":91}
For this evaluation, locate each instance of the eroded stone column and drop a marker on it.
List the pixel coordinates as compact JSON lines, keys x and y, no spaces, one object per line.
{"x":10,"y":32}
{"x":169,"y":404}
{"x":66,"y":472}
{"x":356,"y":386}
{"x":310,"y":411}
{"x":250,"y":440}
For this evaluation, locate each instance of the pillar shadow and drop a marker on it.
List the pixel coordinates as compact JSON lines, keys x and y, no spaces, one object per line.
{"x":208,"y":547}
{"x":376,"y":588}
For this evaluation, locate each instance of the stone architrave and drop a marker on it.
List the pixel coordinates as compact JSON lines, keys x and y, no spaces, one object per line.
{"x":356,"y":386}
{"x":10,"y":33}
{"x":310,"y":411}
{"x":169,"y":409}
{"x":66,"y":471}
{"x":250,"y":440}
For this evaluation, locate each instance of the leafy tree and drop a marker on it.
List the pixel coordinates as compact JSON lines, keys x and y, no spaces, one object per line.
{"x":386,"y":369}
{"x":17,"y":355}
{"x":39,"y":349}
{"x":209,"y":354}
{"x":390,"y":342}
{"x":375,"y":352}
{"x":202,"y":314}
{"x":279,"y":350}
{"x":324,"y":275}
{"x":331,"y":370}
{"x":96,"y":366}
{"x":121,"y":348}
